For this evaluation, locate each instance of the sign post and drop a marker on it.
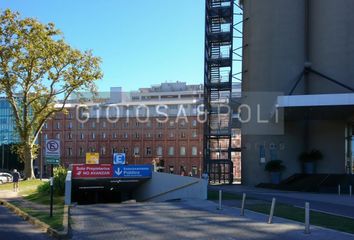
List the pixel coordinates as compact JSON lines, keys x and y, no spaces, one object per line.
{"x":52,"y":157}
{"x":51,"y":191}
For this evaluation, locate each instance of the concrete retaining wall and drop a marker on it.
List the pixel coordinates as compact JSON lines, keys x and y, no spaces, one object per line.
{"x":163,"y":187}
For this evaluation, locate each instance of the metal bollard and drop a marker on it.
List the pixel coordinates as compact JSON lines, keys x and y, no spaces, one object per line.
{"x":243,"y":205}
{"x":350,"y":190}
{"x":220,"y":199}
{"x":270,"y":220}
{"x":307,"y":218}
{"x":339,"y":189}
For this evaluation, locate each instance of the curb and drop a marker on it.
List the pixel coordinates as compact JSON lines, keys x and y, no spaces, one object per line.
{"x":35,"y":221}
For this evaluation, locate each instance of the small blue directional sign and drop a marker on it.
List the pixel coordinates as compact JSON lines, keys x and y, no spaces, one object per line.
{"x":119,"y":158}
{"x":132,"y":171}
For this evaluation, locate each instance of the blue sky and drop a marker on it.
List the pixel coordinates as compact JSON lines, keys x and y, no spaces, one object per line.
{"x":141,"y":42}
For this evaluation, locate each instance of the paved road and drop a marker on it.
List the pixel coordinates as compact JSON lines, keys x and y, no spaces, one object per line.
{"x":330,"y":203}
{"x":13,"y":227}
{"x":184,"y":220}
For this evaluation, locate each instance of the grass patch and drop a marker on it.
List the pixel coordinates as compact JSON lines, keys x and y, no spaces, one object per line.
{"x":214,"y":195}
{"x":286,"y":211}
{"x":55,"y":222}
{"x":26,"y":187}
{"x":45,"y":199}
{"x":339,"y":223}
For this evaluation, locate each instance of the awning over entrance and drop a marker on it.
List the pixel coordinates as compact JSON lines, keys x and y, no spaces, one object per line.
{"x":316,"y":100}
{"x":317,"y":106}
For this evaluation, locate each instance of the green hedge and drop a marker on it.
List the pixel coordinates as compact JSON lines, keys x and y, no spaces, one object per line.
{"x":59,"y":182}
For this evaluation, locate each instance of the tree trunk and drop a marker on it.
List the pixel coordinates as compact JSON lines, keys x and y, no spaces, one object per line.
{"x":29,"y":174}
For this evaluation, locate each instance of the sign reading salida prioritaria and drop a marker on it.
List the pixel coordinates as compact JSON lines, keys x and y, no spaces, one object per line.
{"x":92,"y":171}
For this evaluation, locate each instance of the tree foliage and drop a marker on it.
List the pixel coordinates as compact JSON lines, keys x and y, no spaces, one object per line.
{"x":37,"y":68}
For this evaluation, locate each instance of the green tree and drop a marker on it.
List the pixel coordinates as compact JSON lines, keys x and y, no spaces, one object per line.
{"x":37,"y":68}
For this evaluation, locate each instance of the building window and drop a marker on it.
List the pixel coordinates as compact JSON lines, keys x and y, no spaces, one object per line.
{"x":194,"y":151}
{"x":159,"y":135}
{"x":182,"y":170}
{"x":148,"y":135}
{"x":58,"y":125}
{"x":81,"y":126}
{"x":82,"y":136}
{"x":182,"y":151}
{"x":70,"y":152}
{"x":172,"y":124}
{"x":57,"y":136}
{"x":194,"y":171}
{"x":148,"y":124}
{"x":136,"y":135}
{"x":104,"y":135}
{"x":159,"y":151}
{"x":45,"y":136}
{"x":159,"y":124}
{"x":93,"y":124}
{"x":104,"y":124}
{"x":103,"y":150}
{"x":194,"y":134}
{"x":172,"y":134}
{"x":70,"y":135}
{"x":173,"y":107}
{"x":45,"y":126}
{"x":126,"y":124}
{"x":125,"y":135}
{"x":171,"y":151}
{"x":114,"y":150}
{"x":182,"y":124}
{"x":194,"y":123}
{"x":136,"y":124}
{"x":70,"y":115}
{"x":92,"y":149}
{"x":194,"y":109}
{"x":93,"y":135}
{"x":125,"y":150}
{"x":70,"y":125}
{"x":148,"y":151}
{"x":183,"y":135}
{"x":114,"y":135}
{"x":136,"y":151}
{"x":81,"y":151}
{"x":171,"y":169}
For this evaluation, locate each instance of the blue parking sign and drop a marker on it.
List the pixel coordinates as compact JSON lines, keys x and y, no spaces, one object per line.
{"x":119,"y":158}
{"x":132,"y":171}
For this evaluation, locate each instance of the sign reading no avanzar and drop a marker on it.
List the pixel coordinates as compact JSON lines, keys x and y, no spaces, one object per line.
{"x":52,"y":151}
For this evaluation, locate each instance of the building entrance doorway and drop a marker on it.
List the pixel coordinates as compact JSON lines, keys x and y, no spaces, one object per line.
{"x":350,"y":150}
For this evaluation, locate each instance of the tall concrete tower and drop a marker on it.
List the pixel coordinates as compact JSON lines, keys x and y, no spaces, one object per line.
{"x":303,"y":51}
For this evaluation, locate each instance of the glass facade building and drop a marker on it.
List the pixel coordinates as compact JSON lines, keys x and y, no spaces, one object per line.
{"x":8,"y":132}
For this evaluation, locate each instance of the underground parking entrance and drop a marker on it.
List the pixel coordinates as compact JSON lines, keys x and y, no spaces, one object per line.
{"x":105,"y":190}
{"x":106,"y":183}
{"x":109,"y":183}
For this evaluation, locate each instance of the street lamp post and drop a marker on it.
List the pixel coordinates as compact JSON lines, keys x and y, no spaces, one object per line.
{"x":2,"y":159}
{"x":3,"y":152}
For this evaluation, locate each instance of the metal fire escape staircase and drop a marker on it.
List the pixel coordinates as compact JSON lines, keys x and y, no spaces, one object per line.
{"x":218,"y":82}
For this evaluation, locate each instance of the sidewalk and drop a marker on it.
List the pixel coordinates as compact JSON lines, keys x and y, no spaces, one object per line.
{"x":16,"y":199}
{"x":8,"y":194}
